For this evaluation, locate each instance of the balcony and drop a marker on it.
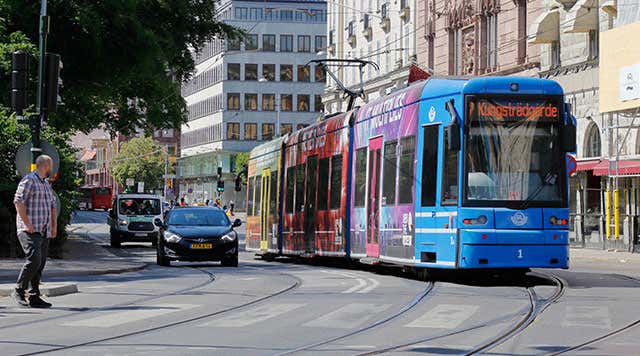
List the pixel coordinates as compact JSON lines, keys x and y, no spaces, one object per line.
{"x":405,"y":10}
{"x":385,"y":21}
{"x":367,"y":31}
{"x":351,"y":34}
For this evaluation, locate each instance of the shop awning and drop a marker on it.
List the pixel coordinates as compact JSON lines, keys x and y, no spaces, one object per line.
{"x":583,"y":17}
{"x":88,"y":155}
{"x":587,"y":165}
{"x":545,"y":28}
{"x":627,"y":167}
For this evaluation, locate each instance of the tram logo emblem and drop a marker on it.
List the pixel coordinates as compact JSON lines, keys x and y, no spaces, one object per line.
{"x":519,"y":218}
{"x":432,"y":114}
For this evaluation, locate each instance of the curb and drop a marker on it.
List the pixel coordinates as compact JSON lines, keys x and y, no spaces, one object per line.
{"x":53,"y":290}
{"x":79,"y":273}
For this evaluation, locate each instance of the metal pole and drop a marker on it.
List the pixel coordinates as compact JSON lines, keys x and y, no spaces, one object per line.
{"x":36,"y":120}
{"x":166,"y":171}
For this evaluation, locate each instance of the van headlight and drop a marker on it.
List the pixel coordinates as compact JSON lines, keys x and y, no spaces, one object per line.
{"x":171,"y":237}
{"x":228,"y":237}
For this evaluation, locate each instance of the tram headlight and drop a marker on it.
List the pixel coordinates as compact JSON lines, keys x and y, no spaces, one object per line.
{"x":171,"y":237}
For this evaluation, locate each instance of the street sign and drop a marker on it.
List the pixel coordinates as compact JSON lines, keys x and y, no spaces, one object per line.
{"x":140,"y":187}
{"x":24,"y":157}
{"x":129,"y":182}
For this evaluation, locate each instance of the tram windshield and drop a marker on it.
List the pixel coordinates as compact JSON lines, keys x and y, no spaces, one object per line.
{"x":513,"y":155}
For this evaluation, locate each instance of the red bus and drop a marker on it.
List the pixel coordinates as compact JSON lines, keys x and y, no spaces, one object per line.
{"x":95,"y":198}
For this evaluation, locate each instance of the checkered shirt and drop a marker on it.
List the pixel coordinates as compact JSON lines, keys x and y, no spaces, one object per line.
{"x":36,"y":194}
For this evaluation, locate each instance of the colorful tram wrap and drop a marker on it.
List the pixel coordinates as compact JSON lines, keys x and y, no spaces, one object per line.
{"x":446,"y":173}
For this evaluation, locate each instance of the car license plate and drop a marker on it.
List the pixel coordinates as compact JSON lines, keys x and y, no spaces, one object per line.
{"x":141,"y":235}
{"x":201,"y":246}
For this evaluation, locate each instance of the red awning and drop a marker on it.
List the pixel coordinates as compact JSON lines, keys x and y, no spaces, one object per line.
{"x":628,"y":167}
{"x":587,"y":165}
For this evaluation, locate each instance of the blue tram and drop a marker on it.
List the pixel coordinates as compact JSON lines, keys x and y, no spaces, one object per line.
{"x":447,"y":173}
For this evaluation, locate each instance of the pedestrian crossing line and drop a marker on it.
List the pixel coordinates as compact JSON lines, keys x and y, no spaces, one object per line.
{"x":444,"y":316}
{"x":253,"y":316}
{"x":590,"y":317}
{"x":349,"y":316}
{"x":109,"y":318}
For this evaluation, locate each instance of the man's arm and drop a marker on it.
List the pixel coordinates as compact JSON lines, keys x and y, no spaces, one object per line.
{"x":54,"y":222}
{"x":23,"y":191}
{"x":22,"y":212}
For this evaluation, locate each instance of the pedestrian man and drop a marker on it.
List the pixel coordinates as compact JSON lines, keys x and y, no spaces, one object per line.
{"x":36,"y":224}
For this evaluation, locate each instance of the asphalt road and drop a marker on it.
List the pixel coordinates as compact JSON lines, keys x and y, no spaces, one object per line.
{"x":287,"y":307}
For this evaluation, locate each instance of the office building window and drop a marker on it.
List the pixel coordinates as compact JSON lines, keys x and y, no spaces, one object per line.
{"x":286,"y":102}
{"x":320,"y":75}
{"x":241,"y":13}
{"x":304,"y":73}
{"x":233,"y":131}
{"x":250,"y":131}
{"x":268,"y":102}
{"x":555,"y":54}
{"x":304,"y":43}
{"x":269,"y":72}
{"x":250,"y":72}
{"x":286,"y":72}
{"x":455,"y":59}
{"x":285,"y":129}
{"x":267,"y":131}
{"x":286,"y":15}
{"x":286,"y":43}
{"x":233,"y":101}
{"x":321,"y":43}
{"x":233,"y":44}
{"x":251,"y":102}
{"x":251,"y":43}
{"x":492,"y":42}
{"x":255,"y":13}
{"x":594,"y":44}
{"x":303,"y":102}
{"x":269,"y":43}
{"x":233,"y":71}
{"x":317,"y":103}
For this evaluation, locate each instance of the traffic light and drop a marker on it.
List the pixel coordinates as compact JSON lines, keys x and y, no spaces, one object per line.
{"x":238,"y":183}
{"x":19,"y":81}
{"x":219,"y":173}
{"x":52,"y":65}
{"x":220,"y":186}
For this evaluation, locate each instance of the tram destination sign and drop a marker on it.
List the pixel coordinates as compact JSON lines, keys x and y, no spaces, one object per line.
{"x":514,"y":110}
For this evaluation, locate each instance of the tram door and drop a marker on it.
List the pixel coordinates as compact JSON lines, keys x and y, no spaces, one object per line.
{"x":310,"y":204}
{"x":264,"y":209}
{"x":373,"y":197}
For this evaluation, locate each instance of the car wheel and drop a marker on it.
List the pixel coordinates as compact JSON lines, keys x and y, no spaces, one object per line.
{"x":114,"y":240}
{"x":230,"y":261}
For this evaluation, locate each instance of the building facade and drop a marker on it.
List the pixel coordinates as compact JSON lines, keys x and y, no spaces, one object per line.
{"x":477,"y":37}
{"x":250,"y":90}
{"x":380,"y":31}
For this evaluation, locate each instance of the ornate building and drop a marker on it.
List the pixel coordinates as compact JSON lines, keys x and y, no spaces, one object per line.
{"x":477,"y":37}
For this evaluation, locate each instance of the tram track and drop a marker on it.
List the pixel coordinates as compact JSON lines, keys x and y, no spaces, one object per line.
{"x":415,"y":301}
{"x":77,"y":311}
{"x":536,"y":307}
{"x":296,"y":284}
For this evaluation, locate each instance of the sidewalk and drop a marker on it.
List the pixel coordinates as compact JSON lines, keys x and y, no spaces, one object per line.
{"x":81,"y":257}
{"x":605,"y":261}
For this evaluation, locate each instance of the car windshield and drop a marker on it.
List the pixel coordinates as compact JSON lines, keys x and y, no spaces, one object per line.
{"x":198,"y":217}
{"x":139,"y":206}
{"x":513,"y":152}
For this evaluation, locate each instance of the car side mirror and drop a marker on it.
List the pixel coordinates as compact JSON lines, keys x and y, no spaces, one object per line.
{"x":237,"y":223}
{"x":158,"y":222}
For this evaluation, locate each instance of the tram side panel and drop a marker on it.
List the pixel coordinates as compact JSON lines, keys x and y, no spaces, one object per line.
{"x":383,"y":179}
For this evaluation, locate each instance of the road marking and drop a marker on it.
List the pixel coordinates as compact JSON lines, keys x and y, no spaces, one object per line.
{"x":374,"y":284}
{"x":593,"y":317}
{"x":253,"y":316}
{"x":108,"y":318}
{"x":361,"y":286}
{"x":444,"y":316}
{"x":349,"y":316}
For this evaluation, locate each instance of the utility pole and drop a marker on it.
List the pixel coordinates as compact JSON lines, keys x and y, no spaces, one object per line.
{"x":166,"y":171}
{"x":36,"y":120}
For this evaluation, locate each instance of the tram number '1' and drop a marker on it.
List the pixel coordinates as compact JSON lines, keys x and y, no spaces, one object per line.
{"x":520,"y":253}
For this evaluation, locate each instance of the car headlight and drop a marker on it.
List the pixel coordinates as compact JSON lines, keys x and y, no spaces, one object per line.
{"x":229,"y":237}
{"x":123,"y":222}
{"x":171,"y":237}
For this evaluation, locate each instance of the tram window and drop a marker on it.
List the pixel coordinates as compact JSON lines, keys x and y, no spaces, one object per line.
{"x":406,"y":175}
{"x":429,"y":165}
{"x":250,"y":186}
{"x":258,"y":196}
{"x":300,"y":176}
{"x":449,"y":176}
{"x":291,"y":174}
{"x":323,"y":184}
{"x":389,"y":173}
{"x":336,"y":182}
{"x":273,"y":190}
{"x":361,"y":177}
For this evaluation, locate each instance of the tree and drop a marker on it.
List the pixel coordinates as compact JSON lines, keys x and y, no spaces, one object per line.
{"x":123,"y":59}
{"x":141,"y":159}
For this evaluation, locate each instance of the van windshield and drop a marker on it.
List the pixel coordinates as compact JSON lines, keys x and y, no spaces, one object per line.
{"x":139,"y":206}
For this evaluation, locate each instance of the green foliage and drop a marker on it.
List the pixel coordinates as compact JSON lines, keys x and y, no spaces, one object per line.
{"x":141,"y":159}
{"x":123,"y":59}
